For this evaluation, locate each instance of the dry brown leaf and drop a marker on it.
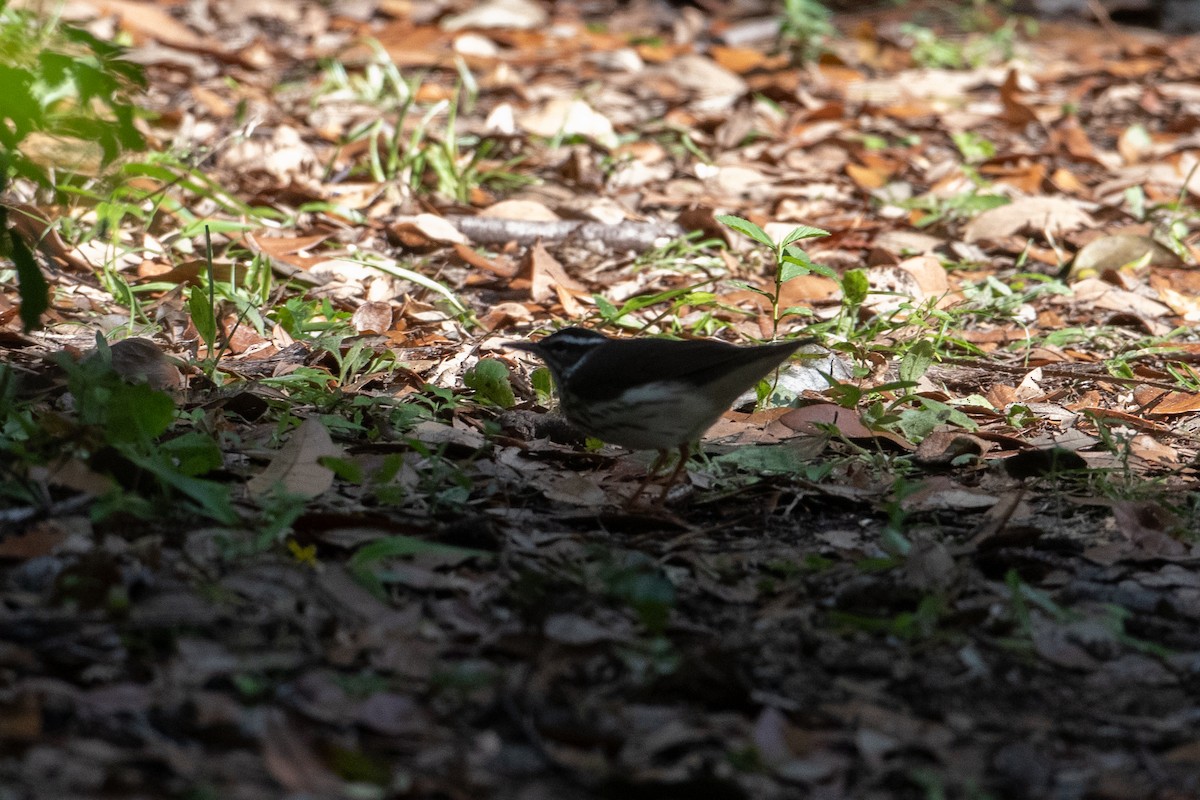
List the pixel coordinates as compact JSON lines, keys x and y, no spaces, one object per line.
{"x":1070,"y":137}
{"x":562,"y":116}
{"x":372,"y":317}
{"x":514,"y":14}
{"x":866,"y":177}
{"x":546,"y":275}
{"x":943,"y":493}
{"x":1104,"y":295}
{"x":1025,"y":176}
{"x":929,"y":274}
{"x":62,"y":152}
{"x":573,"y":488}
{"x":283,"y":246}
{"x":503,"y":315}
{"x":1153,"y":450}
{"x":21,"y":718}
{"x":1173,"y":403}
{"x":426,"y":231}
{"x":75,"y":475}
{"x":152,"y":21}
{"x":738,"y":59}
{"x":294,"y":468}
{"x":1016,"y":112}
{"x":500,"y":265}
{"x":716,"y":86}
{"x":848,"y":423}
{"x":286,"y":159}
{"x":942,"y":447}
{"x":1186,"y":306}
{"x":1029,"y":215}
{"x":39,"y":540}
{"x":520,"y":209}
{"x":291,"y":759}
{"x":1148,"y":527}
{"x":1119,"y":252}
{"x":141,"y":360}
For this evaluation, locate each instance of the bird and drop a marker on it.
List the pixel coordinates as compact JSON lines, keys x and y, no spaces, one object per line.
{"x":651,"y":394}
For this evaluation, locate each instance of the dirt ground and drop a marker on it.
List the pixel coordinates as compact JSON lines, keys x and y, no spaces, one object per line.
{"x":819,"y":612}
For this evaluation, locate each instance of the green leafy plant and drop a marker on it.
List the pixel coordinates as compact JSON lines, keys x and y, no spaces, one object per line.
{"x":403,"y":146}
{"x":939,"y":210}
{"x":65,"y":85}
{"x":66,"y":109}
{"x":638,"y":582}
{"x":805,"y":27}
{"x":936,"y":51}
{"x":119,"y":429}
{"x":1025,"y":601}
{"x":31,"y":284}
{"x":131,"y":420}
{"x":921,"y":624}
{"x":973,"y":147}
{"x":359,"y":360}
{"x":305,"y":318}
{"x":367,"y":565}
{"x":491,"y":382}
{"x":789,"y":261}
{"x":624,"y":315}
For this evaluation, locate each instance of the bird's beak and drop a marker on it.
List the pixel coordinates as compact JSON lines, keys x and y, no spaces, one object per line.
{"x":529,"y":347}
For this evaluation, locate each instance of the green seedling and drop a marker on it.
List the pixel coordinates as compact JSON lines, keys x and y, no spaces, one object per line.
{"x":789,"y":261}
{"x":804,"y":28}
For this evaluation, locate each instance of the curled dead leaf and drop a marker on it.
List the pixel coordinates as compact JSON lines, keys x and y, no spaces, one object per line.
{"x":1121,"y":252}
{"x":1033,"y":215}
{"x":372,"y":317}
{"x":141,"y":360}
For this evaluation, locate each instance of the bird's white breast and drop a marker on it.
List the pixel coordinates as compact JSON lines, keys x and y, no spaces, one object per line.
{"x":652,"y":416}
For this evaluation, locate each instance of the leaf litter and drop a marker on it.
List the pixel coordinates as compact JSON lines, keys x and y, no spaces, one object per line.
{"x":969,"y":575}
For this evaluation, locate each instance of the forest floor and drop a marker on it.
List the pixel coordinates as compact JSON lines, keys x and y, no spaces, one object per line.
{"x":330,"y":541}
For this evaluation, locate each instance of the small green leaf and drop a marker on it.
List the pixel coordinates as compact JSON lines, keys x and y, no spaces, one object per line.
{"x":349,"y":471}
{"x":917,"y":423}
{"x":137,"y":413}
{"x":203,"y":317}
{"x":34,"y":292}
{"x":855,"y":287}
{"x":767,"y":458}
{"x":211,"y":497}
{"x":823,"y":271}
{"x":543,"y":384}
{"x":606,"y":308}
{"x":490,"y":380}
{"x":749,"y":287}
{"x":916,"y":361}
{"x":974,"y":148}
{"x":795,"y":263}
{"x":746,"y":228}
{"x":194,"y":453}
{"x":399,"y":546}
{"x":802,"y":232}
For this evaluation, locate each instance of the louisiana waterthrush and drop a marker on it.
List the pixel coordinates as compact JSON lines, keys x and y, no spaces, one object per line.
{"x":651,"y":394}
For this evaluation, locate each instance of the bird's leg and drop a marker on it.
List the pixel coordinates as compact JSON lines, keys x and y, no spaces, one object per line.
{"x":659,"y":460}
{"x":685,"y":450}
{"x":655,"y":465}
